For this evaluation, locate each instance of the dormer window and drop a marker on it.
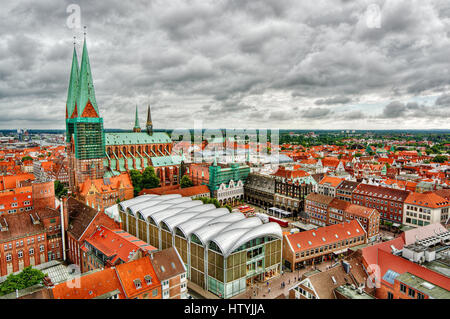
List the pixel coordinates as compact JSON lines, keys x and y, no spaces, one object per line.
{"x":148,"y":279}
{"x":137,"y":283}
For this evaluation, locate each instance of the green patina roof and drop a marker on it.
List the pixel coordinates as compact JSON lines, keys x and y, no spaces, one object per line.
{"x":136,"y":138}
{"x":136,"y":121}
{"x":86,"y":84}
{"x":73,"y":85}
{"x":166,"y":160}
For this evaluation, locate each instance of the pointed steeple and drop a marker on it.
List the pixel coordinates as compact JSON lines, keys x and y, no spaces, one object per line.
{"x":149,"y":124}
{"x":137,"y":127}
{"x":72,"y":92}
{"x":86,"y":102}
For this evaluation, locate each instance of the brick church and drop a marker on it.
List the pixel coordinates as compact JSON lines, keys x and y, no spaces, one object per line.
{"x":95,"y":154}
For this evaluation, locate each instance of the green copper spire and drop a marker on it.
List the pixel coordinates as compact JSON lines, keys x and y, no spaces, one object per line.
{"x":136,"y":121}
{"x":73,"y":85}
{"x":86,"y":91}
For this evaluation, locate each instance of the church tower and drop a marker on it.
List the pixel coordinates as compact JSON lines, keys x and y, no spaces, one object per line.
{"x":84,"y":126}
{"x":149,"y":122}
{"x":137,"y":127}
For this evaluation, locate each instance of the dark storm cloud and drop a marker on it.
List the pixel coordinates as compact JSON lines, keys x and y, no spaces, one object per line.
{"x":394,"y":110}
{"x":414,"y":110}
{"x":228,"y":61}
{"x":333,"y":100}
{"x":316,"y":113}
{"x":443,"y":100}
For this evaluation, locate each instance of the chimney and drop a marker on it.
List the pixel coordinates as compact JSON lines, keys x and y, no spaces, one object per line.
{"x":64,"y":220}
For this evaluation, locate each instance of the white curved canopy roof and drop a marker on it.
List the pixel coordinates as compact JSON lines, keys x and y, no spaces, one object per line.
{"x":189,"y":226}
{"x":230,"y":240}
{"x":126,"y":203}
{"x":145,"y":212}
{"x":215,"y":212}
{"x":228,"y":230}
{"x":208,"y":231}
{"x":178,"y":200}
{"x":133,"y":209}
{"x":174,"y":220}
{"x":245,"y":223}
{"x":189,"y":203}
{"x":158,"y":216}
{"x":201,"y":208}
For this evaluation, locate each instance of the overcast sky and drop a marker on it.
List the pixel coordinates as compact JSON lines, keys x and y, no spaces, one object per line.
{"x":277,"y":64}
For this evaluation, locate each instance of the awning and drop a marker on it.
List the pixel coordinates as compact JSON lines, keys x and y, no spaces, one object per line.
{"x":396,"y":225}
{"x":340,"y":251}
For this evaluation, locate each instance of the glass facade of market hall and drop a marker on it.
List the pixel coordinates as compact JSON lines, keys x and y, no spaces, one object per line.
{"x":257,"y":260}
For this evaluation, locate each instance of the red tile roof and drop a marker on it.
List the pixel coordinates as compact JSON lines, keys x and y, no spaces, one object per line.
{"x":388,"y":261}
{"x":314,"y":238}
{"x":333,"y":181}
{"x":91,"y":285}
{"x":137,"y":270}
{"x":427,"y":199}
{"x":117,"y":244}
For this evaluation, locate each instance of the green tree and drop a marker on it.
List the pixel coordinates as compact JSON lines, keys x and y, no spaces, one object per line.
{"x":27,"y":158}
{"x":186,"y":182}
{"x":26,"y":278}
{"x":228,"y":207}
{"x":136,"y":180}
{"x":60,"y":190}
{"x":440,"y":159}
{"x":149,"y":178}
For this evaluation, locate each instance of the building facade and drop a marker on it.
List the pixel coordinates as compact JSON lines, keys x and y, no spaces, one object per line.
{"x":325,"y":243}
{"x":422,"y":209}
{"x":291,"y":197}
{"x":259,"y":190}
{"x":223,"y":252}
{"x":387,"y":201}
{"x":227,"y":183}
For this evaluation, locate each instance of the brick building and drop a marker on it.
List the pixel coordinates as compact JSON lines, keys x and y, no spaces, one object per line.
{"x":105,"y":192}
{"x":325,"y":210}
{"x":107,"y":248}
{"x":345,"y":190}
{"x":29,"y":238}
{"x":325,"y":243}
{"x":171,"y":272}
{"x":81,"y":222}
{"x":389,"y":202}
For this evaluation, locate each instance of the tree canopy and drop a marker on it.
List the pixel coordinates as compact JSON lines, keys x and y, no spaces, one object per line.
{"x":145,"y":180}
{"x":26,"y":278}
{"x":186,"y":182}
{"x":60,"y":190}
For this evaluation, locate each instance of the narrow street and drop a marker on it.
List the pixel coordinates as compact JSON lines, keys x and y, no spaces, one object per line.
{"x":261,"y":290}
